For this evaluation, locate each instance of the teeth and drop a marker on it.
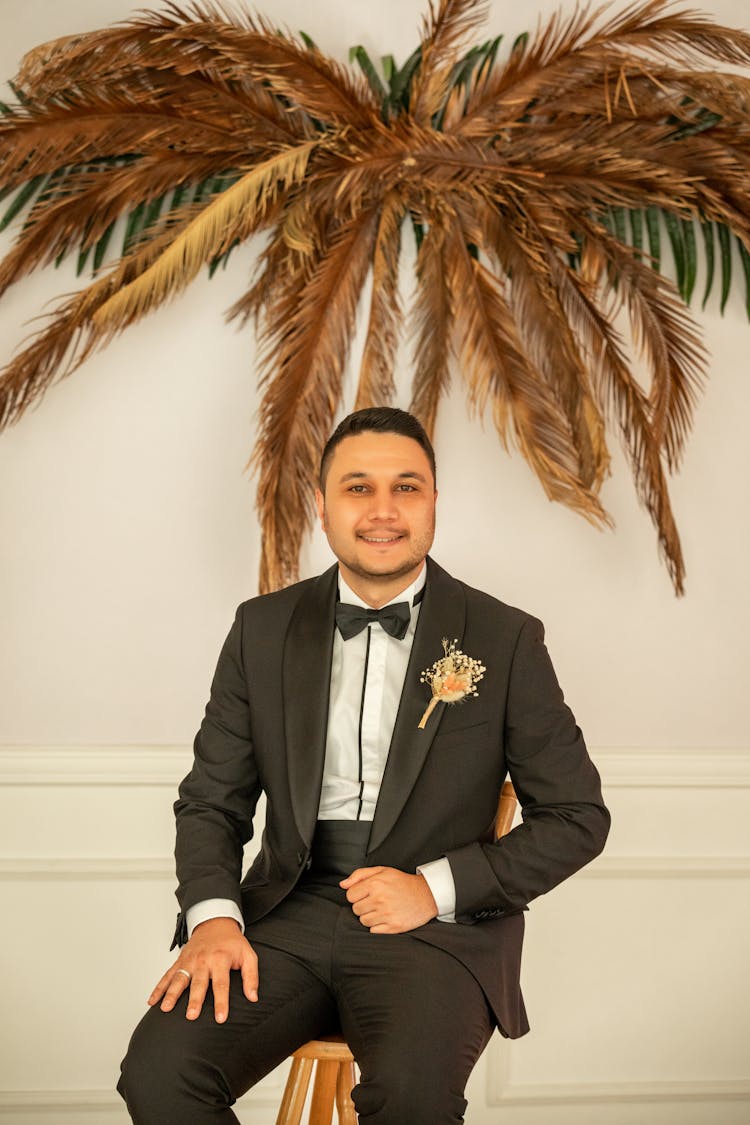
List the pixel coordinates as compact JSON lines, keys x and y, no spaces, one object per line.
{"x":372,"y":539}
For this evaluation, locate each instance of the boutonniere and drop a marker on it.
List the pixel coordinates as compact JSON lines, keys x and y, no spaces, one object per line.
{"x":451,"y":678}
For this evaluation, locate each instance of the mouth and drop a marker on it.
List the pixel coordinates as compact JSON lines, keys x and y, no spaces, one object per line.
{"x":381,"y":540}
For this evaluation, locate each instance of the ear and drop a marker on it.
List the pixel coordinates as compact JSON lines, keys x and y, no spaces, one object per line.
{"x":320,"y":502}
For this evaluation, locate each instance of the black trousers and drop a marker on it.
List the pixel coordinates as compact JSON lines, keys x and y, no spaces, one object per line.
{"x":414,"y":1017}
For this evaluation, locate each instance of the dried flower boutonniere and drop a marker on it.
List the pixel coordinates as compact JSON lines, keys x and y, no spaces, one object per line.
{"x":451,"y":678}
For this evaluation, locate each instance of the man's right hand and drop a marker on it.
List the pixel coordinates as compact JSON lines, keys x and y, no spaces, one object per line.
{"x":215,"y":947}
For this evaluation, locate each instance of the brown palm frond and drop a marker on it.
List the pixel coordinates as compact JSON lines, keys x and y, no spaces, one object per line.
{"x":572,"y":53}
{"x":310,"y":80}
{"x":42,"y":147}
{"x":433,"y":324}
{"x":309,"y":344}
{"x":90,"y":203}
{"x":668,"y":340}
{"x":521,"y":254}
{"x":444,"y":32}
{"x":376,"y":382}
{"x":275,"y":264}
{"x":71,"y":337}
{"x":679,"y":35}
{"x":496,"y":368}
{"x":232,"y":215}
{"x":624,"y":403}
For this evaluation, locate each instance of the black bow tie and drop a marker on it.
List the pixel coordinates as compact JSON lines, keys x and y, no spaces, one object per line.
{"x":352,"y":619}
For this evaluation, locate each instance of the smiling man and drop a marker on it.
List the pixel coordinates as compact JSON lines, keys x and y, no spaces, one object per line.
{"x":378,"y":903}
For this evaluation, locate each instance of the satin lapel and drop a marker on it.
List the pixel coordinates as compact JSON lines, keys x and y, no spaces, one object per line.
{"x":306,"y":679}
{"x":443,"y":614}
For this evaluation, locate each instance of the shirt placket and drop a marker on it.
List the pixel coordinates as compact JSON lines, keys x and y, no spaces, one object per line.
{"x":372,"y":708}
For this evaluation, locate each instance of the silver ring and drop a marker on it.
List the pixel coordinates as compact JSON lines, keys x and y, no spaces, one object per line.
{"x":185,"y":973}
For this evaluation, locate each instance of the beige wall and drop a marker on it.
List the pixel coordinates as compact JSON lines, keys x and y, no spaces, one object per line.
{"x":128,"y":537}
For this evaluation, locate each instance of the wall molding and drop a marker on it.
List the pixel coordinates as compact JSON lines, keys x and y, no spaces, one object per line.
{"x":107,"y":868}
{"x":92,"y":1101}
{"x":165,"y":765}
{"x":674,"y":768}
{"x":505,"y":1094}
{"x":94,"y":765}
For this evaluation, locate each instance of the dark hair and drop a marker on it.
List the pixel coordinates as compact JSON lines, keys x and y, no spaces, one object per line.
{"x":379,"y":420}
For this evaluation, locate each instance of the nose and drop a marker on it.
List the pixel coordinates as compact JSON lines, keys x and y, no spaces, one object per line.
{"x":383,"y":505}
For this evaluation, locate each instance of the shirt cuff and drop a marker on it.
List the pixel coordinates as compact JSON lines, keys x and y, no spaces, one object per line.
{"x":439,"y":879}
{"x":212,"y":908}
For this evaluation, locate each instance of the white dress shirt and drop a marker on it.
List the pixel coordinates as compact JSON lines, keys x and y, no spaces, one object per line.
{"x":367,"y":678}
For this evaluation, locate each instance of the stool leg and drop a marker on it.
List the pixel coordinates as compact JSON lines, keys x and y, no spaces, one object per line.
{"x":344,"y":1085}
{"x":324,"y":1091}
{"x":295,"y":1092}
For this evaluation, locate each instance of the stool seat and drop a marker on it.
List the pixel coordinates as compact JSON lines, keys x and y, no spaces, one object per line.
{"x":334,"y":1079}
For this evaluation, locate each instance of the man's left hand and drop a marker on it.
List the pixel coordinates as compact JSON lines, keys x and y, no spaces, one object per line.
{"x":389,"y":901}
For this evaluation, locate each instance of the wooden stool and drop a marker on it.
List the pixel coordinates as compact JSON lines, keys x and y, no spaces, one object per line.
{"x":334,"y":1079}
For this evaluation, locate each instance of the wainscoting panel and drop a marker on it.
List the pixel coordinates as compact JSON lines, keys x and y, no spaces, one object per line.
{"x":635,"y":971}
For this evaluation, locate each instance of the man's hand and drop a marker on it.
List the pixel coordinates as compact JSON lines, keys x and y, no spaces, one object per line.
{"x":389,"y":901}
{"x":214,"y":948}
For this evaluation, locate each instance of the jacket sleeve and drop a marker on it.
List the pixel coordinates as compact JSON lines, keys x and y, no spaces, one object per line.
{"x":565,"y":822}
{"x":218,"y":797}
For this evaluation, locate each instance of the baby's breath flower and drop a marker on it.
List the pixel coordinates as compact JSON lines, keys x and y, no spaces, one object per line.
{"x":451,"y":678}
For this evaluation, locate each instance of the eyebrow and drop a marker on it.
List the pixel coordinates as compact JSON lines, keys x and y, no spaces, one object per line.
{"x":408,"y":475}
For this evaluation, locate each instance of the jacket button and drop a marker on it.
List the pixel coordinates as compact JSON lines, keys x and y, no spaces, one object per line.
{"x":300,"y":858}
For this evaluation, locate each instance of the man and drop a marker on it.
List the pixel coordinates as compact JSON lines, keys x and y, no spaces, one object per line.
{"x":379,"y":903}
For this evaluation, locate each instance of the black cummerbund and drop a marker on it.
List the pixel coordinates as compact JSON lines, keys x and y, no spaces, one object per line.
{"x":338,"y":848}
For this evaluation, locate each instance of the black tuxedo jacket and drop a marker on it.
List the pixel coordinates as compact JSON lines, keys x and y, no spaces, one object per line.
{"x":265,"y":731}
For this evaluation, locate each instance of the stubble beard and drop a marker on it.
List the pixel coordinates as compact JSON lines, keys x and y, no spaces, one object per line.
{"x":410,"y":564}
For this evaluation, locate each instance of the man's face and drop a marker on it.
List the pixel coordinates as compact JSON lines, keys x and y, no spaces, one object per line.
{"x":378,"y":511}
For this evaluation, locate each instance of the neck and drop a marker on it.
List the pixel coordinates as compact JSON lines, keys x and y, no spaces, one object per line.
{"x":376,"y":591}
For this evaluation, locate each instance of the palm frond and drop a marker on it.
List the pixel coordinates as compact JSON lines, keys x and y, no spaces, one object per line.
{"x":443,"y":34}
{"x":308,"y":344}
{"x":233,"y":215}
{"x":669,"y":342}
{"x":623,"y":403}
{"x":520,"y":253}
{"x":70,"y":338}
{"x":433,"y":324}
{"x":497,"y":369}
{"x":376,"y":374}
{"x":82,"y":213}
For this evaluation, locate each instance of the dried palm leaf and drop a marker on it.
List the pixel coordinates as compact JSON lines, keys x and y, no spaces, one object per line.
{"x":376,"y":381}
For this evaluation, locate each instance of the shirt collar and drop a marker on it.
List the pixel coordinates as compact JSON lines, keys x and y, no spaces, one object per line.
{"x":408,"y":594}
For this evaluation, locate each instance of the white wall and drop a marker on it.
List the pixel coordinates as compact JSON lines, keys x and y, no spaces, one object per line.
{"x":129,"y":536}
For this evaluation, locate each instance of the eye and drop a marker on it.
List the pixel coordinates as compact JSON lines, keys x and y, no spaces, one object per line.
{"x":405,"y":488}
{"x":359,"y":488}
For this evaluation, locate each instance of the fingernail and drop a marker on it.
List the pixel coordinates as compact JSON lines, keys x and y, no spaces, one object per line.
{"x":253,"y":996}
{"x":220,"y":1017}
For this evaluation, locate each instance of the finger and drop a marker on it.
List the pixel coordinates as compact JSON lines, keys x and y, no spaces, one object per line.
{"x":249,"y":971}
{"x":198,"y":990}
{"x":358,"y":875}
{"x":161,"y":987}
{"x":370,"y":918}
{"x":220,"y":985}
{"x":358,"y":892}
{"x":178,"y":982}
